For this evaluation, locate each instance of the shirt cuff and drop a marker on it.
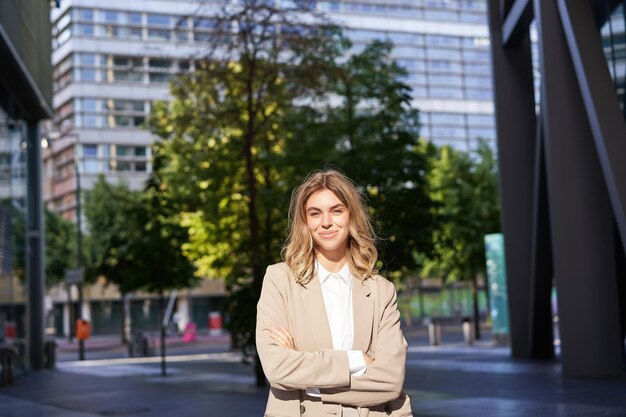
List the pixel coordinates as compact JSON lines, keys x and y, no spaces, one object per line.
{"x":356,"y":361}
{"x":313,"y":392}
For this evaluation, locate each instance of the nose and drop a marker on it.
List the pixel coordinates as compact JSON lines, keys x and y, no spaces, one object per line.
{"x":326,"y":220}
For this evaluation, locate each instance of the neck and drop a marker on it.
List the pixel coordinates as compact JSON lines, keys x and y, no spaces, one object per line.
{"x":332,"y":262}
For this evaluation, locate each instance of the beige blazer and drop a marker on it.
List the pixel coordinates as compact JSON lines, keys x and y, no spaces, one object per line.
{"x":314,"y":363}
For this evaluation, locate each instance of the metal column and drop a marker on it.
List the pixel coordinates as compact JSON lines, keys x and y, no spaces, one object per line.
{"x":515,"y":125}
{"x":34,"y":248}
{"x":581,"y":216}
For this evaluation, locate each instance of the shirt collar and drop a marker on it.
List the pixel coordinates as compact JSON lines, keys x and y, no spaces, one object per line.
{"x":343,"y":274}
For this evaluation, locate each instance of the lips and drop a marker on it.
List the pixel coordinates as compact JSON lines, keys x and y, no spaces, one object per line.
{"x":328,"y":235}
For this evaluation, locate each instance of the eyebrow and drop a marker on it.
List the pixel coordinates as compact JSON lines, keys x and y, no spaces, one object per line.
{"x":332,"y":208}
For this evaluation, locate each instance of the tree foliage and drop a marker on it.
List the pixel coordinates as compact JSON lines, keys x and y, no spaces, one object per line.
{"x":158,"y":249}
{"x":282,"y":98}
{"x":465,"y":188}
{"x":223,"y":140}
{"x":135,"y":239}
{"x":370,"y":130}
{"x":60,"y":245}
{"x":112,"y":236}
{"x":280,"y":94}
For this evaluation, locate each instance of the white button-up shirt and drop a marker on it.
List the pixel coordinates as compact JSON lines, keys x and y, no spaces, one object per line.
{"x":337,"y":294}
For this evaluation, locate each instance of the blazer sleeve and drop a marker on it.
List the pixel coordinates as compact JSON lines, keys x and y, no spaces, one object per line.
{"x":288,"y":369}
{"x":384,"y":378}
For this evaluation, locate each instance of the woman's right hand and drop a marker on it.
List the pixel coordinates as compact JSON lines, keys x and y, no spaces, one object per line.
{"x":368,"y":359}
{"x":283,"y":337}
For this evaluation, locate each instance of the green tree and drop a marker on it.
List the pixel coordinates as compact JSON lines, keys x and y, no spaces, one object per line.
{"x":60,"y":245}
{"x":370,"y":130}
{"x":136,"y":239}
{"x":113,"y":238}
{"x":223,"y":140}
{"x":465,"y":187}
{"x":159,"y":259}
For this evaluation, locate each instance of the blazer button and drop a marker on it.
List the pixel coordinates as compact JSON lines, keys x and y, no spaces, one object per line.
{"x":302,"y":408}
{"x":388,"y":409}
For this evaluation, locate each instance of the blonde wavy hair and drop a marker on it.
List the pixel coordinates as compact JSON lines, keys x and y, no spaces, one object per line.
{"x":299,"y":248}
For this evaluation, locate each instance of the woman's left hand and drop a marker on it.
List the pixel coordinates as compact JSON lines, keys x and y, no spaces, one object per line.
{"x":283,"y":337}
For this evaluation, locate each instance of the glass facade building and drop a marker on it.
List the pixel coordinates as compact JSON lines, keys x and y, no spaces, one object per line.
{"x":25,"y":101}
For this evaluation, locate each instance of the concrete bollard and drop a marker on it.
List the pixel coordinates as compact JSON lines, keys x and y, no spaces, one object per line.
{"x":434,"y":334}
{"x":468,"y":332}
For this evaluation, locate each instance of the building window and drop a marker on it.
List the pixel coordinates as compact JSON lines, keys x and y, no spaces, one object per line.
{"x":62,"y":73}
{"x":80,"y":14}
{"x":91,"y":163}
{"x":447,"y":119}
{"x":441,"y":53}
{"x":109,"y":16}
{"x":83,"y":29}
{"x":160,"y":70}
{"x":125,"y":113}
{"x":159,"y":20}
{"x":134,"y":18}
{"x":129,"y":159}
{"x":445,"y":80}
{"x":64,"y":115}
{"x":5,"y":167}
{"x":123,"y":68}
{"x":481,"y":119}
{"x":478,"y":94}
{"x":159,"y":34}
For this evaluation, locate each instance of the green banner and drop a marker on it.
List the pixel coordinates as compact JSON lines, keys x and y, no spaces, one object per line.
{"x":496,"y":275}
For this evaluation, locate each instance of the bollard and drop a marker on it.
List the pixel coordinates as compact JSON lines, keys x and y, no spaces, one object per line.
{"x":215,"y":323}
{"x":138,"y":345}
{"x":50,"y":353}
{"x":468,"y":332}
{"x":434,"y":334}
{"x":8,"y":356}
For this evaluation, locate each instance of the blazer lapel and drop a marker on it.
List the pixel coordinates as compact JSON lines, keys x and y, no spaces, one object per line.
{"x":313,"y":303}
{"x":363,"y":309}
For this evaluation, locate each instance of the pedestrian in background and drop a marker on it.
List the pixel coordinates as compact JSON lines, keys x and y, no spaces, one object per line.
{"x":328,"y":328}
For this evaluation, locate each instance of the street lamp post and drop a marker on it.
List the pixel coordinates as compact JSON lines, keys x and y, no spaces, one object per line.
{"x":79,"y":247}
{"x":75,"y":277}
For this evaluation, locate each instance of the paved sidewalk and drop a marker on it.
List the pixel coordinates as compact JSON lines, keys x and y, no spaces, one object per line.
{"x":453,"y":380}
{"x":110,"y":342}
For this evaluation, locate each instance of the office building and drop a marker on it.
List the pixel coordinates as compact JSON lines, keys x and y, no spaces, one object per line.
{"x":25,"y":100}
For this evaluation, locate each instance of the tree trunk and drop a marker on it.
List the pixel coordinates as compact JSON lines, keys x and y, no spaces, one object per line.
{"x":162,"y":333}
{"x":350,"y":115}
{"x":70,"y":314}
{"x":124,"y":337}
{"x":253,"y":216}
{"x":476,"y":312}
{"x":420,"y":294}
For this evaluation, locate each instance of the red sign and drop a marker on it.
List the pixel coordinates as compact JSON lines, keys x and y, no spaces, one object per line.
{"x":83,"y":329}
{"x":10,"y":330}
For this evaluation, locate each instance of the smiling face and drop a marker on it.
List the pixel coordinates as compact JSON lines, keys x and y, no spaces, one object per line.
{"x":328,"y":220}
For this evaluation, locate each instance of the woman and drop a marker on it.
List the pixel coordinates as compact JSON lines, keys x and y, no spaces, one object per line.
{"x":328,"y":328}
